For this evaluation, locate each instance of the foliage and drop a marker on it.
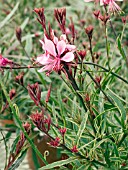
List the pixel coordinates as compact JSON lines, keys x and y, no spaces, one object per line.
{"x":82,"y":106}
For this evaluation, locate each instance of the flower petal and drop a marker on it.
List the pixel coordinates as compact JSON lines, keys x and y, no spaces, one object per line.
{"x":61,"y":45}
{"x":44,"y":59}
{"x":46,"y":68}
{"x":68,"y":57}
{"x":42,"y":44}
{"x":88,"y":0}
{"x":70,"y":47}
{"x":50,"y":47}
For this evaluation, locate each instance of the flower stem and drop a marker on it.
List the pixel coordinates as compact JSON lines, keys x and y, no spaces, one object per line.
{"x":98,"y":85}
{"x":76,"y":88}
{"x":107,"y":70}
{"x":107,"y":46}
{"x":110,"y":22}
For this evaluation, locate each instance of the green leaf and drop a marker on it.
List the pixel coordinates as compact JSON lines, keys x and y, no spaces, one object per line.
{"x":120,"y":107}
{"x":58,"y":163}
{"x":9,"y":16}
{"x":20,"y":123}
{"x":28,"y":46}
{"x":17,"y":163}
{"x":81,"y":128}
{"x":115,"y":159}
{"x":61,"y":106}
{"x":99,"y":143}
{"x":122,"y":52}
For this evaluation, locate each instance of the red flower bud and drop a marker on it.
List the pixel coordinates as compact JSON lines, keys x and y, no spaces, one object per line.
{"x":87,"y":98}
{"x":19,"y":78}
{"x":82,"y":54}
{"x":96,"y":13}
{"x":27,"y":127}
{"x":55,"y":143}
{"x":89,"y":31}
{"x":34,"y":92}
{"x":98,"y":79}
{"x":12,"y":93}
{"x":74,"y":149}
{"x":18,"y":34}
{"x":48,"y":94}
{"x":63,"y":131}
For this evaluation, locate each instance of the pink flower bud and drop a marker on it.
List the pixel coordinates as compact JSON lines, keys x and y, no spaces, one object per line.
{"x":98,"y":79}
{"x":74,"y":149}
{"x":18,"y":33}
{"x":89,"y":31}
{"x":82,"y":54}
{"x":12,"y":93}
{"x":96,"y":13}
{"x":34,"y":92}
{"x":27,"y":127}
{"x":87,"y":98}
{"x":55,"y":143}
{"x":48,"y":94}
{"x":63,"y":131}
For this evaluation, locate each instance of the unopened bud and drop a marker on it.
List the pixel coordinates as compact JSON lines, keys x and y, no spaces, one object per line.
{"x":48,"y":94}
{"x":82,"y":54}
{"x":89,"y":31}
{"x":12,"y":93}
{"x":74,"y":149}
{"x":98,"y":79}
{"x":96,"y":13}
{"x":18,"y":34}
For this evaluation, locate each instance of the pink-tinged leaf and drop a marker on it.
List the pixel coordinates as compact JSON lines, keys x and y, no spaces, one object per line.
{"x":70,"y":47}
{"x":68,"y":57}
{"x":61,"y":45}
{"x":50,"y":47}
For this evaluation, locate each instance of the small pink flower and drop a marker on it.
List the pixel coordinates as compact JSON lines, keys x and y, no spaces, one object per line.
{"x":111,"y":3}
{"x":56,"y":52}
{"x":4,"y":61}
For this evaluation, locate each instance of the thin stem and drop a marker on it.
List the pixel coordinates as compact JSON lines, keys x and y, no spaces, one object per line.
{"x":20,"y":67}
{"x":107,"y":45}
{"x":77,"y":154}
{"x":107,"y":70}
{"x":87,"y":63}
{"x":98,"y":85}
{"x":90,"y":43}
{"x":25,"y":51}
{"x":76,"y":88}
{"x":111,"y":25}
{"x":122,"y":32}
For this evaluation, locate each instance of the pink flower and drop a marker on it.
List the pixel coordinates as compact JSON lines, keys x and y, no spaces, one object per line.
{"x":111,"y":3}
{"x":56,"y":52}
{"x":4,"y":61}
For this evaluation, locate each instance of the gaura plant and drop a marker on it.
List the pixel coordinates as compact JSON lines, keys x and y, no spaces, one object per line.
{"x":82,"y":114}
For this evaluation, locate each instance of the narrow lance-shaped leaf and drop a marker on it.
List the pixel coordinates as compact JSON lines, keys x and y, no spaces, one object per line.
{"x":9,"y":16}
{"x":17,"y":163}
{"x":20,"y":124}
{"x":58,"y":163}
{"x":81,"y":128}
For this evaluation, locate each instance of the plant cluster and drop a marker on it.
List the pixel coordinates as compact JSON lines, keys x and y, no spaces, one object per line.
{"x":73,"y":91}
